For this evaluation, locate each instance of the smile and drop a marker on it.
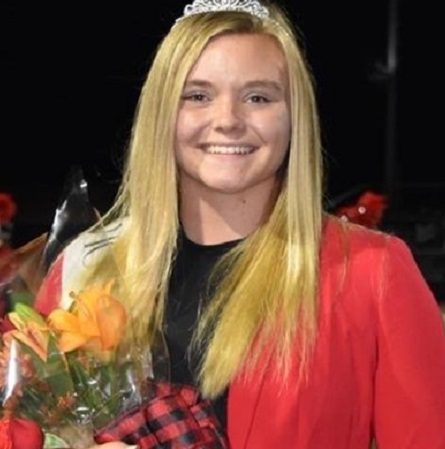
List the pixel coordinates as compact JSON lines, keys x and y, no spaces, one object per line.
{"x":229,"y":149}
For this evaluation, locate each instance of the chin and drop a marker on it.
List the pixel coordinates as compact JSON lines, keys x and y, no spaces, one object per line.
{"x":226,"y":189}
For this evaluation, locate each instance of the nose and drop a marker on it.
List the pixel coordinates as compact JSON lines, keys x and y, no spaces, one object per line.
{"x":228,"y":115}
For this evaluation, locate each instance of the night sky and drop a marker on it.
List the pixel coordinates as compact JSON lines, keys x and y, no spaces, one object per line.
{"x":73,"y":75}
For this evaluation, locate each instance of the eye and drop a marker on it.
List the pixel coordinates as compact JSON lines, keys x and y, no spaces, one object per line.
{"x":258,"y":98}
{"x":197,"y":97}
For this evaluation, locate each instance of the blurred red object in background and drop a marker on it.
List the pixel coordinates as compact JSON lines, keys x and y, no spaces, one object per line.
{"x":8,"y":208}
{"x":367,"y":211}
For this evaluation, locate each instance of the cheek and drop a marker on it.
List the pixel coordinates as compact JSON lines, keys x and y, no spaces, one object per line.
{"x":274,"y":125}
{"x":185,"y":136}
{"x":278,"y":133}
{"x":188,"y":126}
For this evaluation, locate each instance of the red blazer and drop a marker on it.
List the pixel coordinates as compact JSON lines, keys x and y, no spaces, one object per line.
{"x":378,"y":368}
{"x":379,"y":363}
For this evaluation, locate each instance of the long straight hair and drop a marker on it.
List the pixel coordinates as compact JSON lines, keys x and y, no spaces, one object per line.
{"x":267,"y":294}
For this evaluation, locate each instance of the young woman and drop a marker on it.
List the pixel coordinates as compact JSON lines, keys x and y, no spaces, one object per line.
{"x":304,"y":331}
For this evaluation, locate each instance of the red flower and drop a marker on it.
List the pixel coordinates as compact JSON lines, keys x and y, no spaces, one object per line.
{"x":8,"y":208}
{"x":18,"y":433}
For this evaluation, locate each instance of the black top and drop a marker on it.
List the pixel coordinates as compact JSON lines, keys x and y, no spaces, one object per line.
{"x":189,"y":291}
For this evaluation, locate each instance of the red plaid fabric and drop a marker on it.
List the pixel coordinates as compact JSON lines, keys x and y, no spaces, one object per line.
{"x":175,"y":417}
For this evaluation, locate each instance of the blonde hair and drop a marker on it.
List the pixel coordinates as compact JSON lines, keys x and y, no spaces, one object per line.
{"x":267,"y":294}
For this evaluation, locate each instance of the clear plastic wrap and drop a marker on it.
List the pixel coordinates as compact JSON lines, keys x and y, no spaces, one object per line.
{"x":74,"y":214}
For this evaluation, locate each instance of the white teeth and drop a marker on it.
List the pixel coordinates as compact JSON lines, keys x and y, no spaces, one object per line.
{"x":220,"y":149}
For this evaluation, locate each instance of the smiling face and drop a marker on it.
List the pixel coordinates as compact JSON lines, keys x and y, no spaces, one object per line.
{"x":233,"y":124}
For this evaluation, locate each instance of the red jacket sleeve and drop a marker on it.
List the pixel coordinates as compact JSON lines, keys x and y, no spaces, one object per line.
{"x":410,"y":376}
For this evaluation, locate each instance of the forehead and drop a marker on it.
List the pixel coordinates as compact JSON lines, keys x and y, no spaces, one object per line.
{"x":241,"y":55}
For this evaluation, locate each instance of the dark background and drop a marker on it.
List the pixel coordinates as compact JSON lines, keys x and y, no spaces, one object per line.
{"x":74,"y":72}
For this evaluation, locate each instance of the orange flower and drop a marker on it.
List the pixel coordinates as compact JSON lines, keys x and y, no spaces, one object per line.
{"x":31,"y":330}
{"x":95,"y":321}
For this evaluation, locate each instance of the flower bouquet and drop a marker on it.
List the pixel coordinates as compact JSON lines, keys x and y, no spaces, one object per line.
{"x":65,"y":375}
{"x":71,"y":373}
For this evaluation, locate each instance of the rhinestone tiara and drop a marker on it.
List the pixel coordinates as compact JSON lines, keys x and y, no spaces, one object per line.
{"x":253,"y":7}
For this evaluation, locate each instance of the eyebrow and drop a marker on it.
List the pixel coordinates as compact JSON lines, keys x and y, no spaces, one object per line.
{"x":265,"y":83}
{"x":270,"y":84}
{"x":197,"y":83}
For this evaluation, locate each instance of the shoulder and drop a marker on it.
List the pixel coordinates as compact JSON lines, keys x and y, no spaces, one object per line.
{"x":378,"y":265}
{"x":353,"y":242}
{"x":365,"y":261}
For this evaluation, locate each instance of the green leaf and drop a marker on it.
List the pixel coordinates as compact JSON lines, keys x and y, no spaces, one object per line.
{"x":23,"y":297}
{"x":26,"y":313}
{"x":54,"y":370}
{"x":57,"y":373}
{"x":54,"y":442}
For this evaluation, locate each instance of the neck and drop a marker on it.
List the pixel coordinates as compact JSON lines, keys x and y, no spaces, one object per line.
{"x":210,"y":217}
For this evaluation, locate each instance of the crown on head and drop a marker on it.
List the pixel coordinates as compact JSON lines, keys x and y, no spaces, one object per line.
{"x":253,"y":7}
